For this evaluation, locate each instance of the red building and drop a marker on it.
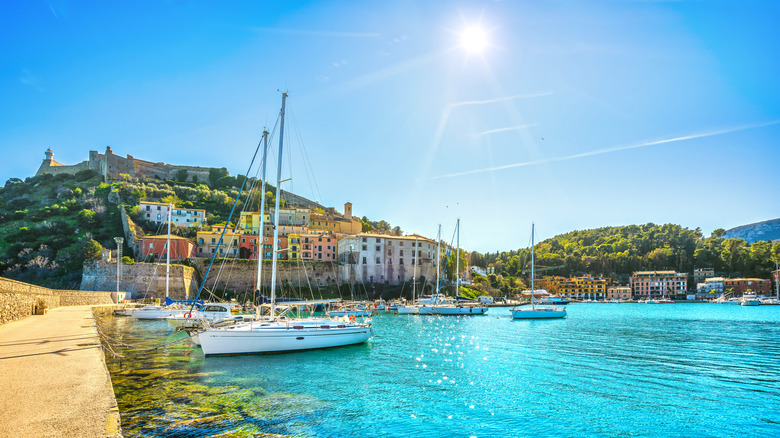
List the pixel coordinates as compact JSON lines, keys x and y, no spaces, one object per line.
{"x":741,"y":285}
{"x":181,"y":248}
{"x":248,"y":246}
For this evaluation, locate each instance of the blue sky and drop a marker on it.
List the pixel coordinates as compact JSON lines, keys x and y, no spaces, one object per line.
{"x":578,"y":114}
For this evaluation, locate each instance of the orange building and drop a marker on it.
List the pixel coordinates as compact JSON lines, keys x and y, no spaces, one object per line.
{"x":741,"y":285}
{"x":320,"y":247}
{"x":181,"y":248}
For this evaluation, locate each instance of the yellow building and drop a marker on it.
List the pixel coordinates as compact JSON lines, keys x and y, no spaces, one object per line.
{"x":334,"y":223}
{"x":207,"y":242}
{"x":582,"y":288}
{"x":250,"y":222}
{"x":294,"y":246}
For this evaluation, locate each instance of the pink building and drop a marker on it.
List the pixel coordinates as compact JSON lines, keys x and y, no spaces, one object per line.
{"x":319,"y":247}
{"x":657,"y":284}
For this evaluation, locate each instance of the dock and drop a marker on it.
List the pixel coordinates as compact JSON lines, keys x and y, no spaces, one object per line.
{"x":53,"y":377}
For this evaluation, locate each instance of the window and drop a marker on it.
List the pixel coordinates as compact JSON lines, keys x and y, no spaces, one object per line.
{"x":378,"y":262}
{"x":148,"y":208}
{"x":320,"y":239}
{"x":401,"y":261}
{"x":364,"y":240}
{"x":377,"y":240}
{"x":365,"y":247}
{"x":213,"y":240}
{"x":402,"y":253}
{"x":151,"y":245}
{"x":364,"y":260}
{"x":377,"y":248}
{"x":158,"y":217}
{"x":389,"y":261}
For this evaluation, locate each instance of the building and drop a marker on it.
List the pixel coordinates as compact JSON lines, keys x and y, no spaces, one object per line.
{"x":281,"y":248}
{"x":157,"y":246}
{"x":701,"y":274}
{"x":658,"y":284}
{"x":207,"y":241}
{"x":578,"y":288}
{"x":710,"y":288}
{"x":157,"y":212}
{"x":368,"y":258}
{"x":247,"y":246}
{"x":332,"y":222}
{"x":294,"y":246}
{"x":482,"y":271}
{"x":320,"y":247}
{"x":249,"y":222}
{"x":294,"y":216}
{"x":111,"y":166}
{"x":622,"y":293}
{"x":738,"y":286}
{"x":286,"y":230}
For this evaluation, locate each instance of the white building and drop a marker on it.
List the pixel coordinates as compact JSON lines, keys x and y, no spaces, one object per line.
{"x":711,"y":288}
{"x":157,"y":212}
{"x":387,"y":259}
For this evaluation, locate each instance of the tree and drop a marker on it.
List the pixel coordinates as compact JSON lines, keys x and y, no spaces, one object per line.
{"x":216,"y":174}
{"x":182,"y":175}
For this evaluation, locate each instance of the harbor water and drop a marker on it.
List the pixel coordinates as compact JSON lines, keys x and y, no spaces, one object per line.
{"x":695,"y":370}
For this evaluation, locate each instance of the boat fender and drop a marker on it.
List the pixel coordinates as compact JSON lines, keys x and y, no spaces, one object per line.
{"x":188,"y":315}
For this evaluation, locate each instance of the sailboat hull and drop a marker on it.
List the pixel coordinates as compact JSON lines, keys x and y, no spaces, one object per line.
{"x":407,"y":310}
{"x":453,"y":310}
{"x":538,"y":313}
{"x":278,"y":337}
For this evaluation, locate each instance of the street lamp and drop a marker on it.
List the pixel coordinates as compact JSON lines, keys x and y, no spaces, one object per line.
{"x":119,"y":241}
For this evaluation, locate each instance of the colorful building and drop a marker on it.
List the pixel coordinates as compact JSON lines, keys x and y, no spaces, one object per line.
{"x":738,"y":286}
{"x":157,"y":246}
{"x":294,"y":246}
{"x":658,"y":284}
{"x":249,"y":222}
{"x":207,"y":240}
{"x":319,"y":247}
{"x":332,"y":222}
{"x":622,"y":293}
{"x":247,"y":246}
{"x":157,"y":212}
{"x":579,"y":288}
{"x":281,"y":246}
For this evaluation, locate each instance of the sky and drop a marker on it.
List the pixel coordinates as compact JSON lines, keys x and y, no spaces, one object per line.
{"x":573,"y":114}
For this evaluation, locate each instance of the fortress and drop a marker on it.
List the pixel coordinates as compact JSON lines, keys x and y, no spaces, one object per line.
{"x":110,"y":166}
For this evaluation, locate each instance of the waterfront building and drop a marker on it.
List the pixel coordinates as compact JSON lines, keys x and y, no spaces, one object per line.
{"x":157,"y":212}
{"x":583,"y":288}
{"x":294,"y":246}
{"x":281,"y":247}
{"x":622,"y":293}
{"x":701,"y":274}
{"x":386,"y":258}
{"x":157,"y":246}
{"x":294,"y":216}
{"x":207,"y":241}
{"x":482,"y":271}
{"x":319,"y":247}
{"x":286,"y":230}
{"x":657,"y":284}
{"x":710,"y":288}
{"x":247,"y":246}
{"x":738,"y":286}
{"x":332,"y":222}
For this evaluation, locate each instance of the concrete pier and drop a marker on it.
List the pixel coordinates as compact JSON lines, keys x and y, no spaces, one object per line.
{"x":53,"y":377}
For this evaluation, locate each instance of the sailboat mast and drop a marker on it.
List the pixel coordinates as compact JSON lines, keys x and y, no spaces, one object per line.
{"x":457,"y":263}
{"x":168,"y":254}
{"x":438,"y":263}
{"x":276,"y":209}
{"x":532,"y":264}
{"x":262,"y":216}
{"x":777,"y":280}
{"x":414,"y":274}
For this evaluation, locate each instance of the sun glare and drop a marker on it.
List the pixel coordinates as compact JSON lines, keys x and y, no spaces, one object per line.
{"x":474,"y":40}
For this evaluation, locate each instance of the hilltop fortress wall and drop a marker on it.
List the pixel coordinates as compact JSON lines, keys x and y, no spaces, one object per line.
{"x":110,"y":166}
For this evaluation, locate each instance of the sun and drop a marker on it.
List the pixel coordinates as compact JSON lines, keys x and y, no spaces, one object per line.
{"x":474,"y":39}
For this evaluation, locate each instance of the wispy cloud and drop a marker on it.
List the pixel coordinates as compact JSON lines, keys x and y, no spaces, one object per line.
{"x":609,"y":150}
{"x":322,"y":33}
{"x":29,"y":80}
{"x":501,"y":99}
{"x":509,"y":128}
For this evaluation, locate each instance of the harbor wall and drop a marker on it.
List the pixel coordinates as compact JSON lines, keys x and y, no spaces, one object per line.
{"x":240,"y":275}
{"x":19,"y":300}
{"x":141,"y":280}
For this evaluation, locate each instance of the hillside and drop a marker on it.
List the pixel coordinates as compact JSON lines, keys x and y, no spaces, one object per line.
{"x":616,"y":252}
{"x":766,"y":230}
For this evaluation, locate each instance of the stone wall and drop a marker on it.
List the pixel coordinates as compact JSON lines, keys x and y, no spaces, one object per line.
{"x":141,"y":280}
{"x":241,"y":275}
{"x":19,"y":300}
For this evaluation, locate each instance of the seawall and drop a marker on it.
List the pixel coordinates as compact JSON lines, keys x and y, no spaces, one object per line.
{"x":141,"y":280}
{"x":19,"y":300}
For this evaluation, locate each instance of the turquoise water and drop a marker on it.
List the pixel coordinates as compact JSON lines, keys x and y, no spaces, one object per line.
{"x":606,"y":370}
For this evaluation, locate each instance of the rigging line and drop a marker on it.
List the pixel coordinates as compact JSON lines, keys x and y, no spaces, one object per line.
{"x":310,"y":175}
{"x":232,"y":210}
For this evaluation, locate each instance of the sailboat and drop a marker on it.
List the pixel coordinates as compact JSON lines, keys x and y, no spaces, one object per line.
{"x":411,"y":309}
{"x":277,"y":332}
{"x":457,"y":308}
{"x":425,"y":305}
{"x":536,"y":312}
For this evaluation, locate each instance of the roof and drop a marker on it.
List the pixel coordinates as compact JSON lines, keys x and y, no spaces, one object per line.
{"x":165,"y":236}
{"x":175,"y":207}
{"x":393,"y":236}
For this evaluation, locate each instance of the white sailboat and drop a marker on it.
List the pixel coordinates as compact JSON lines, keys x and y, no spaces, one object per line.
{"x":278,"y":333}
{"x":412,"y":308}
{"x":456,"y":307}
{"x":537,"y":312}
{"x":425,"y":306}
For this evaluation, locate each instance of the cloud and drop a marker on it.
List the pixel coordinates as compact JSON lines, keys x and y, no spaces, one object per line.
{"x":510,"y":128}
{"x":324,"y":33}
{"x":501,"y":99}
{"x":28,"y":79}
{"x":608,"y":150}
